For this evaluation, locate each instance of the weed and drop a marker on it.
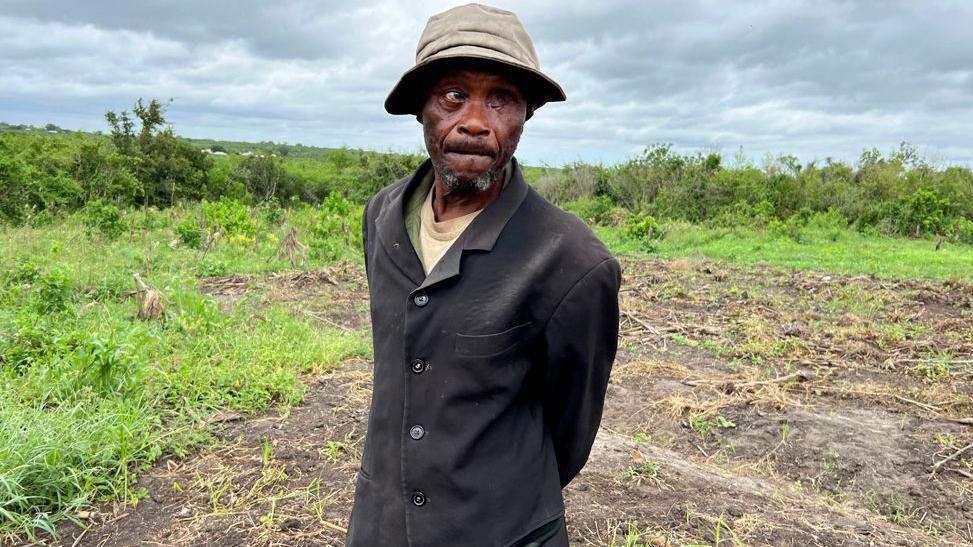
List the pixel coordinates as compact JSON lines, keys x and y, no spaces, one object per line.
{"x":335,"y":450}
{"x":681,"y":340}
{"x":708,"y":422}
{"x":632,"y":537}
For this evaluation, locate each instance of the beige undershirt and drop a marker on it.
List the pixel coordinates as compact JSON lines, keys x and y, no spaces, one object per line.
{"x":437,"y":237}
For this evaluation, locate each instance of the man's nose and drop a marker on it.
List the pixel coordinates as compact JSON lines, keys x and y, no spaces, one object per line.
{"x":474,"y":123}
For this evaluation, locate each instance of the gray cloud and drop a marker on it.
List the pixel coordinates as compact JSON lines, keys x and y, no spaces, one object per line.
{"x":816,"y":79}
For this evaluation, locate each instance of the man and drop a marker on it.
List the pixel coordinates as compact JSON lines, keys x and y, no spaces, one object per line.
{"x":494,"y":313}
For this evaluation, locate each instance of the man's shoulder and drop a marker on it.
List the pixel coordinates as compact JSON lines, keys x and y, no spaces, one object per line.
{"x":387,"y":192}
{"x":562,"y":232}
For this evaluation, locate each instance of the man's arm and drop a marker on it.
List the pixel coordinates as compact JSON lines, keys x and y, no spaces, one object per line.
{"x":581,"y":339}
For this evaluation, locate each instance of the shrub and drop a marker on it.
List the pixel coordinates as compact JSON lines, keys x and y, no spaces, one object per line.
{"x":592,"y":210}
{"x":645,"y":230}
{"x":51,"y":292}
{"x":104,"y":218}
{"x":232,"y":217}
{"x":963,"y":230}
{"x":924,"y":211}
{"x":261,"y":176}
{"x":189,"y":232}
{"x":335,"y":228}
{"x":642,"y":227}
{"x":24,"y":273}
{"x":108,"y":365}
{"x":577,"y":181}
{"x":792,"y":228}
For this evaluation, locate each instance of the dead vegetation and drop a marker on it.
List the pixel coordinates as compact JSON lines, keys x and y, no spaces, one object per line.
{"x":291,"y":248}
{"x":148,"y":300}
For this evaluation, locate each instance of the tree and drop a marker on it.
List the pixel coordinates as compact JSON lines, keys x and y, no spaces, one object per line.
{"x":261,"y":176}
{"x":168,"y":169}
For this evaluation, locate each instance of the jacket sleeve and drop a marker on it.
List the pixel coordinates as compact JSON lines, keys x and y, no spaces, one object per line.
{"x":364,"y":233}
{"x":581,"y":339}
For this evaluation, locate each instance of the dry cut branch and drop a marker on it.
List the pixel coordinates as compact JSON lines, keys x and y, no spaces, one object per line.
{"x":939,"y":465}
{"x":291,"y":248}
{"x":149,"y":300}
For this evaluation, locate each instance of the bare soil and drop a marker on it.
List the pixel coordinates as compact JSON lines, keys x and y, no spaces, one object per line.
{"x":747,"y":406}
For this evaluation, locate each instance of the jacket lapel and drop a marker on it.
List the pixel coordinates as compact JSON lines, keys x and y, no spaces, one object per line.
{"x":391,"y":228}
{"x":483,"y":232}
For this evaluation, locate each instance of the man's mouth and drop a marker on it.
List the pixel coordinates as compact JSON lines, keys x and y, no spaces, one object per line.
{"x":470,"y":152}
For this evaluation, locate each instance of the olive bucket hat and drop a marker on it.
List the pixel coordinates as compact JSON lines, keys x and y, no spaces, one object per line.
{"x":469,"y":35}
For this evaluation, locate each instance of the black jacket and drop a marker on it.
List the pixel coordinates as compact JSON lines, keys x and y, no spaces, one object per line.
{"x":490,"y":372}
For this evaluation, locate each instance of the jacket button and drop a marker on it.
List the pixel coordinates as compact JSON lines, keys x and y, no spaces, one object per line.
{"x":420,"y":299}
{"x":417,"y":432}
{"x":419,"y":499}
{"x":419,"y":366}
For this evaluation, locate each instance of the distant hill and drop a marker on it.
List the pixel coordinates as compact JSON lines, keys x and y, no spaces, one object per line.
{"x":297,"y":151}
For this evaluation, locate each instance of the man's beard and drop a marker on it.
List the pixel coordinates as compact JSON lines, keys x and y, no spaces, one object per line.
{"x":458,"y":184}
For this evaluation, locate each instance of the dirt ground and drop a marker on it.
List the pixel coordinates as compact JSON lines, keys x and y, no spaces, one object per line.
{"x":747,"y":406}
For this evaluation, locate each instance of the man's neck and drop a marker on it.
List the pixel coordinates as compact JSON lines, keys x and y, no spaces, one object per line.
{"x":447,"y":205}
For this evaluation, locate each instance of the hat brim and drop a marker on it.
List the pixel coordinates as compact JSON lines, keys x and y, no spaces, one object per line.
{"x":409,"y":94}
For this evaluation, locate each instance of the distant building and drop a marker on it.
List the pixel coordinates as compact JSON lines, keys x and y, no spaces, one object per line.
{"x":213,"y":152}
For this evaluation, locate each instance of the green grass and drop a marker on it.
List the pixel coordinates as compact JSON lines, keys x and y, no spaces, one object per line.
{"x":90,"y":396}
{"x":833,"y":250}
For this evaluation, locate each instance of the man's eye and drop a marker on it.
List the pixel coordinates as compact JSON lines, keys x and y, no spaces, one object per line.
{"x":497,"y":102}
{"x":453,"y":96}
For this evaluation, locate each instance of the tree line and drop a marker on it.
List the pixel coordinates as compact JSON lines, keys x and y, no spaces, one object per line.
{"x":142,"y":163}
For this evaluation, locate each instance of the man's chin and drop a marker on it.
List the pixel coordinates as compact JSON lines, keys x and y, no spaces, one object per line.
{"x":463,"y":182}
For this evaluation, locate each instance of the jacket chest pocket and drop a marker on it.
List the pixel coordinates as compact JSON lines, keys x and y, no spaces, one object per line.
{"x":491,"y":344}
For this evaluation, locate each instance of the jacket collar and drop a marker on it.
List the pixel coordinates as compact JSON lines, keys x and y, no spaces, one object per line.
{"x":480,"y":235}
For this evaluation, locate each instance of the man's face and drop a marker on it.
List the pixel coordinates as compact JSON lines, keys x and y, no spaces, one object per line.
{"x":472,"y":121}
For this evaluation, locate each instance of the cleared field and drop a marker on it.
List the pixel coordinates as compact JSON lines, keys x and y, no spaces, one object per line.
{"x":749,"y":405}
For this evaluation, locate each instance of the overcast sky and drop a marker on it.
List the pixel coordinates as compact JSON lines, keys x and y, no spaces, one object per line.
{"x":814,"y":79}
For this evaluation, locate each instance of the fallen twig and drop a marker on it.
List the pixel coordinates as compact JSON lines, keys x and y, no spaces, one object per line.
{"x":647,"y":326}
{"x":785,"y":378}
{"x":330,"y":322}
{"x":964,"y":472}
{"x":917,"y":403}
{"x":730,"y":385}
{"x":938,"y":465}
{"x":949,"y":361}
{"x":334,"y":526}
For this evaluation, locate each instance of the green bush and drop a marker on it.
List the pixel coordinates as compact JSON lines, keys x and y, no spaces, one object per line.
{"x":25,"y":272}
{"x":335,"y":228}
{"x":593,"y":210}
{"x":51,"y":292}
{"x":645,"y":230}
{"x":232,"y":217}
{"x":261,"y":176}
{"x":189,"y":232}
{"x":570,"y":183}
{"x":963,"y":230}
{"x":642,"y":227}
{"x":104,"y":218}
{"x":107,"y":365}
{"x":923,"y":211}
{"x":792,"y":228}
